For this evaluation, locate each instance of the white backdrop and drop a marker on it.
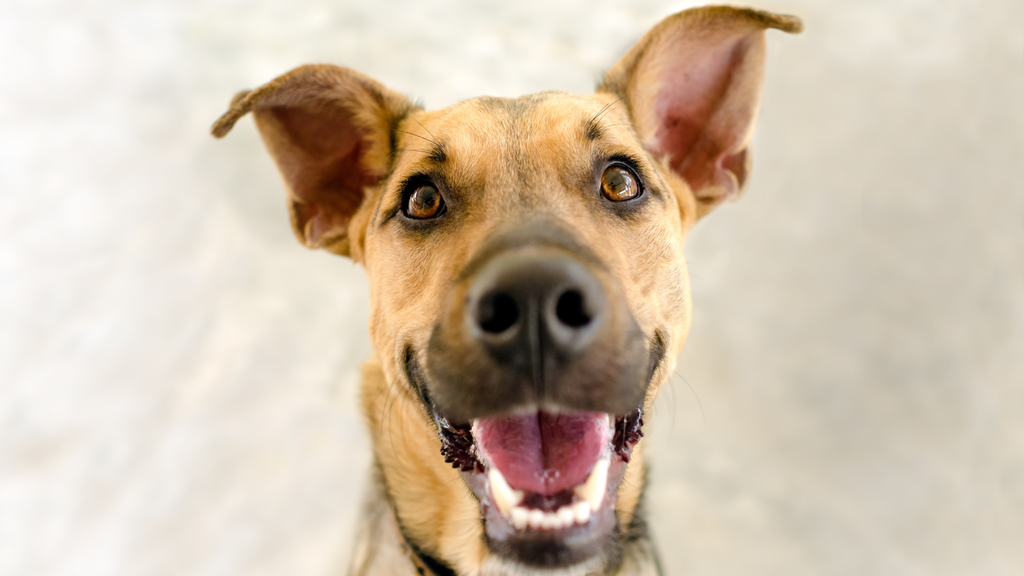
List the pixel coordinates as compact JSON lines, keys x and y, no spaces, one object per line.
{"x":178,"y":375}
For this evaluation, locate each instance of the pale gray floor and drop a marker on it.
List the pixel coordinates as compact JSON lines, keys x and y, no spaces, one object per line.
{"x":177,"y":375}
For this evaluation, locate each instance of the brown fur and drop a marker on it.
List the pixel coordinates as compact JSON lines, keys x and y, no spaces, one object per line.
{"x":345,"y":145}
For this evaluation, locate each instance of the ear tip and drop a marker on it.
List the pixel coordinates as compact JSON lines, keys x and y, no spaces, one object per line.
{"x":784,"y":22}
{"x":226,"y":122}
{"x":790,"y":24}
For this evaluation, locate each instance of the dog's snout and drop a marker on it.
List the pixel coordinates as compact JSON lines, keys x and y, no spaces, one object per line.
{"x":535,"y":318}
{"x":525,"y":306}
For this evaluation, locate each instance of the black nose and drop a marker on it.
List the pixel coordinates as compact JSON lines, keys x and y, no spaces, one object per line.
{"x":532,"y":308}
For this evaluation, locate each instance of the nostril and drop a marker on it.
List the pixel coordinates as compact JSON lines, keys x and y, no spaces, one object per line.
{"x":498,"y":313}
{"x":571,"y":310}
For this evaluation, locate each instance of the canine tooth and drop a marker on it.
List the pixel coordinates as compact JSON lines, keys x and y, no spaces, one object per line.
{"x":535,"y":518}
{"x":593,"y":489}
{"x":581,"y":512}
{"x":520,"y":517}
{"x":565,"y":516}
{"x":505,"y":498}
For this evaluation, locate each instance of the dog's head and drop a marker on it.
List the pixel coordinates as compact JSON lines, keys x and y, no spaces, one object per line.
{"x":529,"y":292}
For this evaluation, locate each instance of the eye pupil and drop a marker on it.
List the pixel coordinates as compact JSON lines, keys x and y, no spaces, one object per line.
{"x":619,"y":184}
{"x":424,"y":202}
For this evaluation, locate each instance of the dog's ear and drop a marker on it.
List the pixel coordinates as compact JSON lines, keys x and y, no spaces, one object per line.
{"x":330,"y":131}
{"x":692,"y":86}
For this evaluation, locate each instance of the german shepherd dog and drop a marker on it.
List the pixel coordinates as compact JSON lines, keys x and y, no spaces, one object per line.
{"x":528,"y":293}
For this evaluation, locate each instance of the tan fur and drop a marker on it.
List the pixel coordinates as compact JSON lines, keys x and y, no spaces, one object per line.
{"x":433,"y":504}
{"x":520,"y":158}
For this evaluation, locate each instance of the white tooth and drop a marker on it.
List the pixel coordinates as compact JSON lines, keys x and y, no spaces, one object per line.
{"x":505,"y":498}
{"x":565,"y":516}
{"x":547,"y":522}
{"x":593,"y":489}
{"x":556,"y":522}
{"x":581,"y":512}
{"x":520,"y":517}
{"x":535,"y":518}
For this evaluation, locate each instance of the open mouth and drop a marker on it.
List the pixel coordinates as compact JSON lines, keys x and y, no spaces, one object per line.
{"x":546,"y":480}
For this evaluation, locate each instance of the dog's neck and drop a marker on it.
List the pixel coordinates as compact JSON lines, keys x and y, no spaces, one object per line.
{"x":381,"y":548}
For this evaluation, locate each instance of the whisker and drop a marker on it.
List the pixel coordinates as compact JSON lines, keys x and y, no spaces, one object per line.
{"x":428,"y":132}
{"x":605,"y":109}
{"x":410,"y":149}
{"x":418,"y":136}
{"x":699,"y":403}
{"x":670,"y":394}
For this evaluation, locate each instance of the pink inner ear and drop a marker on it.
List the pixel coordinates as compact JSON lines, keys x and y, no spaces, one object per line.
{"x":696,"y":125}
{"x":323,"y":168}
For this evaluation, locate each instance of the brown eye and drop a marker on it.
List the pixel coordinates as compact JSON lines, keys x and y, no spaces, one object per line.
{"x":619,"y":184}
{"x":424,"y":202}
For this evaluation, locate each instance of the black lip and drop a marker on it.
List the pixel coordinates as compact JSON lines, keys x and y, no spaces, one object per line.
{"x":457,"y":445}
{"x":414,"y":374}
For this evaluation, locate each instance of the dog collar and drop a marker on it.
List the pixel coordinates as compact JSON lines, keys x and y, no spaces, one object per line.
{"x":425,"y":564}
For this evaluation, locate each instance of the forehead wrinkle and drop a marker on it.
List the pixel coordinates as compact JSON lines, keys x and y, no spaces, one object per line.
{"x":495,"y":134}
{"x":564,"y":129}
{"x":478,"y":148}
{"x":546,"y":146}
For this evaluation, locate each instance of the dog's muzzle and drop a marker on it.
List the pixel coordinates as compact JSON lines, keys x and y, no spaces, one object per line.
{"x":536,"y":373}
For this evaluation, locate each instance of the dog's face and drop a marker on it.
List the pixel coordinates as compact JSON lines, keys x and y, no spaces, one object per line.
{"x":528,"y":289}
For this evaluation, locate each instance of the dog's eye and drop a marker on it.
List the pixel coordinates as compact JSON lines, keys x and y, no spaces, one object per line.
{"x":424,"y":202}
{"x":619,"y":184}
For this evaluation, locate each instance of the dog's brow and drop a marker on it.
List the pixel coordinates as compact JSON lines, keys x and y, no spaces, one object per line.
{"x":592,"y":129}
{"x":437,"y":154}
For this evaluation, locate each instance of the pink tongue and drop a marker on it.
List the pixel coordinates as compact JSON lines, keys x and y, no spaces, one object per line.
{"x":541,"y":452}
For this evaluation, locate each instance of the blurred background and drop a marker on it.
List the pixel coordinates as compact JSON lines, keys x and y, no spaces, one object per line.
{"x":178,"y":375}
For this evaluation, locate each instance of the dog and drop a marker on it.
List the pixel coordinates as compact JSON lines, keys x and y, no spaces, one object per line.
{"x":528,"y":292}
